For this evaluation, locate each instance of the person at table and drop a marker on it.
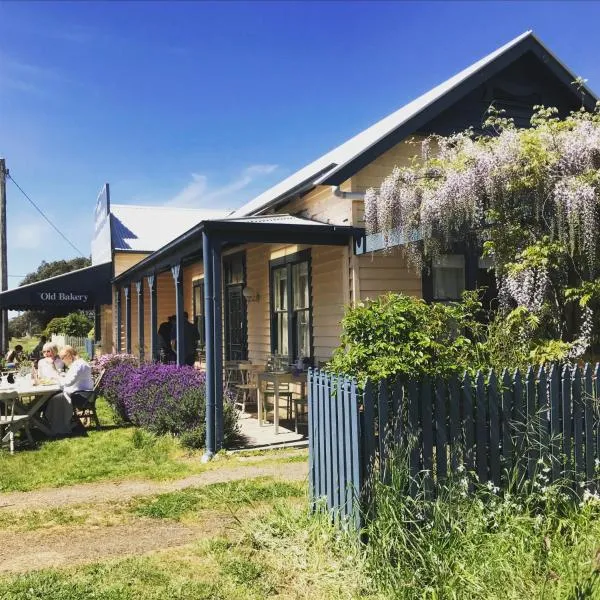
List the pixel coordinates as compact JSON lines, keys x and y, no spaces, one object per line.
{"x":77,"y":385}
{"x":14,"y":356}
{"x":190,"y":340}
{"x":51,"y":365}
{"x":166,"y":354}
{"x":38,"y":352}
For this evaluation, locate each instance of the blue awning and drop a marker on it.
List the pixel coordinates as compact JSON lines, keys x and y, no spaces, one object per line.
{"x":80,"y":289}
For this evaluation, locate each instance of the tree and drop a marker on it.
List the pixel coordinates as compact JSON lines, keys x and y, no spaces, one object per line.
{"x":528,"y":198}
{"x":76,"y":324}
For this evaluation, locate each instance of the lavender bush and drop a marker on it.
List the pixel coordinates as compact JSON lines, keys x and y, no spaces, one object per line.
{"x":164,"y":399}
{"x":106,"y":362}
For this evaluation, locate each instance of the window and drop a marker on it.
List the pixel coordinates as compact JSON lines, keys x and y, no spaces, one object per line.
{"x":448,"y":274}
{"x":198,"y":296}
{"x":291,"y":323}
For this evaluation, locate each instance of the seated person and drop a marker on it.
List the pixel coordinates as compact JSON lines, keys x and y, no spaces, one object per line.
{"x":77,"y":386}
{"x":50,"y":366}
{"x":14,"y":357}
{"x":38,"y":352}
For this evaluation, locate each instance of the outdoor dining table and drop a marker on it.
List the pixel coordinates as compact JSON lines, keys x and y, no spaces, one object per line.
{"x":31,"y":400}
{"x":276,"y":378}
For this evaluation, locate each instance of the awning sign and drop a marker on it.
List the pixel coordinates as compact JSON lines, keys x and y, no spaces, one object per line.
{"x":56,"y":297}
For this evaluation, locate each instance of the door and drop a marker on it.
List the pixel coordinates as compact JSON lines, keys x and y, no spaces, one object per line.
{"x":235,"y":329}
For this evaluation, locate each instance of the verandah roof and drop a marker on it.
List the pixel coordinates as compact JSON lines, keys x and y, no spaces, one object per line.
{"x":84,"y":288}
{"x":268,"y":229}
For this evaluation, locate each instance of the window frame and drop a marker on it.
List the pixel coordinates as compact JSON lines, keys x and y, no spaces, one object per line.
{"x":287,"y":262}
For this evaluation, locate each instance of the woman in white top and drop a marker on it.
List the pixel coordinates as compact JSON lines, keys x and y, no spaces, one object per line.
{"x":50,"y":366}
{"x":77,"y":385}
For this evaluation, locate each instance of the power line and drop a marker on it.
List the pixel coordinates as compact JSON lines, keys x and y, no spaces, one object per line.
{"x":62,"y":235}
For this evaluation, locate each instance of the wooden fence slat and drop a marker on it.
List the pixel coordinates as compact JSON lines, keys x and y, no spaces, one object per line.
{"x":468,"y":423}
{"x":328,"y":443}
{"x":335,"y":441}
{"x":354,"y":492}
{"x":398,"y":410}
{"x":532,"y":442}
{"x":481,"y":428}
{"x":577,"y":422}
{"x":413,"y":435}
{"x":519,"y":422}
{"x":321,"y":429}
{"x":597,"y":408}
{"x":313,"y":462}
{"x":588,"y":400}
{"x":441,"y":434}
{"x":554,"y":423}
{"x":506,"y":421}
{"x":350,"y":441}
{"x":567,"y":422}
{"x":427,"y":428}
{"x":494,"y":424}
{"x":382,"y":419}
{"x":369,"y":429}
{"x":454,"y":402}
{"x":543,"y":416}
{"x":342,"y":437}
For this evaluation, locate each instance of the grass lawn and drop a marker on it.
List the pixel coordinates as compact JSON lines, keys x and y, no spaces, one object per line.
{"x":113,"y":453}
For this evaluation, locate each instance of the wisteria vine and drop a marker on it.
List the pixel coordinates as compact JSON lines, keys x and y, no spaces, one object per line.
{"x":507,"y":191}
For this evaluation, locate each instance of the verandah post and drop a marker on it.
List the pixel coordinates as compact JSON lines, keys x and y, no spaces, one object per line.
{"x":218,"y":342}
{"x":177,"y":272}
{"x":119,"y":318}
{"x":151,"y":280}
{"x":127,"y":290}
{"x":139,"y":287}
{"x":210,"y":349}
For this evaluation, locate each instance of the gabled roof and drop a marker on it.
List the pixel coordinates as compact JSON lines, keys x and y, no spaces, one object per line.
{"x":146,"y":229}
{"x":342,"y":162}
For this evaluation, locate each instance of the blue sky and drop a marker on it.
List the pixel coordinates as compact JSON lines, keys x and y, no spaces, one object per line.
{"x":208,"y":104}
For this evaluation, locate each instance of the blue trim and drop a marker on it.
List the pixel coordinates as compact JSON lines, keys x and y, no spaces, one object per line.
{"x":218,"y":343}
{"x":210,"y":349}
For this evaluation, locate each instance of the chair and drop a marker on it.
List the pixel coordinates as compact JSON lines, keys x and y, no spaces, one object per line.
{"x":84,"y":407}
{"x":300,"y":403}
{"x":10,"y":422}
{"x":248,"y":386}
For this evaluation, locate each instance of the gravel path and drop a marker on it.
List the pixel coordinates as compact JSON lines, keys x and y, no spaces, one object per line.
{"x":124,"y":490}
{"x":23,"y":551}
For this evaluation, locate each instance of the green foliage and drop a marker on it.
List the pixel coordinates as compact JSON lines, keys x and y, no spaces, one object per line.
{"x":54,"y":268}
{"x":175,"y":505}
{"x":484,"y":543}
{"x":397,"y":334}
{"x":76,"y":324}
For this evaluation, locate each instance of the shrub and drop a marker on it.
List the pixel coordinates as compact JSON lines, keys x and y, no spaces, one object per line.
{"x":113,"y":382}
{"x":164,"y":399}
{"x":402,"y":335}
{"x":105,"y":362}
{"x":77,"y":324}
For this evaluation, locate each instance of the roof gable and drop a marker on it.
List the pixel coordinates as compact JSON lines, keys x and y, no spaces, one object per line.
{"x":342,"y":162}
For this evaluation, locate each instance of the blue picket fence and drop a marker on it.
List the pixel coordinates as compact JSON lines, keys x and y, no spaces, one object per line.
{"x":489,"y":425}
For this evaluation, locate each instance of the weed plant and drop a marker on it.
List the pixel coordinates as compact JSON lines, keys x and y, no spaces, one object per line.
{"x":476,"y":541}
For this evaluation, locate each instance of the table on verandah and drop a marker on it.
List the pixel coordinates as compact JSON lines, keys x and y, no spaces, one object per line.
{"x":276,"y":378}
{"x":32,"y":399}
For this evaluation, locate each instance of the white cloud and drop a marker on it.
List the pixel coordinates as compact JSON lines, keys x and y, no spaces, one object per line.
{"x":28,"y":237}
{"x":199,"y":194}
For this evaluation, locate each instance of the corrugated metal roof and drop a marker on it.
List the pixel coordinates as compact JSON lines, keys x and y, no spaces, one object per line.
{"x":281,"y":219}
{"x":146,"y":229}
{"x":319,"y":170}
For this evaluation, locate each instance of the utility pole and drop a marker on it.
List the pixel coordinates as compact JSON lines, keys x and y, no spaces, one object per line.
{"x":3,"y":261}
